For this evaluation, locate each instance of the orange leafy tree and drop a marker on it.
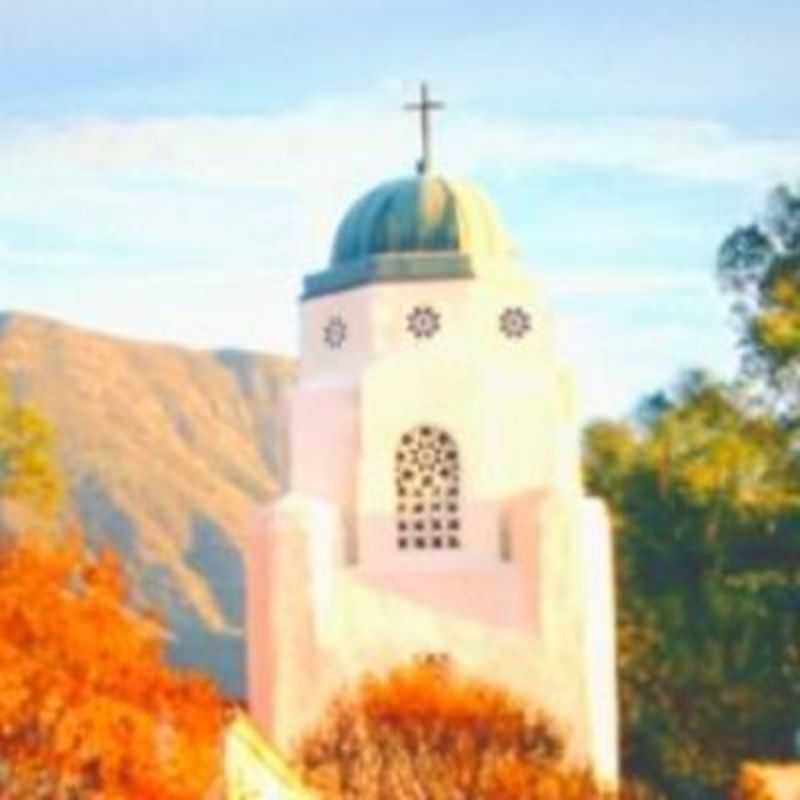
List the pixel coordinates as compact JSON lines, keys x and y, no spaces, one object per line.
{"x":428,"y":733}
{"x":88,"y":709}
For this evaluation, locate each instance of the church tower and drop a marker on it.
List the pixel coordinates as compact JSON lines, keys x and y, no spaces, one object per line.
{"x":435,"y":502}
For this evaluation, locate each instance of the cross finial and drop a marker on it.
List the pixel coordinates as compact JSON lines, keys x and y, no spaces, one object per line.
{"x":425,"y":106}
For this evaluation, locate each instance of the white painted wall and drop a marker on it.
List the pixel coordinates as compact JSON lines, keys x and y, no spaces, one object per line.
{"x":506,"y":402}
{"x":526,"y":601}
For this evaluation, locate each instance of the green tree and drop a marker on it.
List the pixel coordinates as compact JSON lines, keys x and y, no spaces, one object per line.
{"x":610,"y":450}
{"x":758,"y":266}
{"x":704,"y":492}
{"x":28,"y":469}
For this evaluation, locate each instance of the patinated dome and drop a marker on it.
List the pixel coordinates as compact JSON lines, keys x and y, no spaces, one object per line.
{"x":421,"y":214}
{"x":422,"y":227}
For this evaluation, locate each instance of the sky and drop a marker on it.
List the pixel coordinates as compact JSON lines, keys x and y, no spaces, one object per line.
{"x":170,"y":170}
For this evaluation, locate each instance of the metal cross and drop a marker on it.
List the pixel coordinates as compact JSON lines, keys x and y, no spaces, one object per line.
{"x":425,"y":106}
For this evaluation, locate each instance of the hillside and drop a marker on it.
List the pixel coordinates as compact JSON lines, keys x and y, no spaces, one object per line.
{"x":166,"y":451}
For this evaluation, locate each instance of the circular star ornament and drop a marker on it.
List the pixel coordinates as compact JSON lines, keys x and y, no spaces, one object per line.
{"x":423,"y":322}
{"x":335,"y":332}
{"x":515,"y":322}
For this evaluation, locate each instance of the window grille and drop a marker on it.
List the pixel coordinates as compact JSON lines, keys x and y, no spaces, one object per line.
{"x":427,"y":482}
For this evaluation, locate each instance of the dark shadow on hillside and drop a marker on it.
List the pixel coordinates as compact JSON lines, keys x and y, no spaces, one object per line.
{"x":265,"y":392}
{"x":104,"y":521}
{"x":243,"y":365}
{"x":220,"y":655}
{"x":191,"y":644}
{"x":218,"y":560}
{"x":6,"y":318}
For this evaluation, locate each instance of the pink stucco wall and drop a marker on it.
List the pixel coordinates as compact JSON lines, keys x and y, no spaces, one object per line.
{"x":316,"y":625}
{"x":525,"y":600}
{"x":492,"y":595}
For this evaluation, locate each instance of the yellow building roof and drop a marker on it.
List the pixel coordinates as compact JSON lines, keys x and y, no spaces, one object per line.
{"x":254,"y":770}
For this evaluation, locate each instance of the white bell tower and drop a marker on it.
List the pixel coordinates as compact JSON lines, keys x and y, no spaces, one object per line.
{"x":428,"y":379}
{"x":436,"y":503}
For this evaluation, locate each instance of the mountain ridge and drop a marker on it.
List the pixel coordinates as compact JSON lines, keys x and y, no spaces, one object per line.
{"x":166,"y":451}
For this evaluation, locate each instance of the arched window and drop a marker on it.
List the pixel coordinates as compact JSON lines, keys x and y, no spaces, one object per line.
{"x":427,"y":482}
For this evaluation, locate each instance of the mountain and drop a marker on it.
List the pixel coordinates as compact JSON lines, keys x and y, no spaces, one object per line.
{"x":166,"y":452}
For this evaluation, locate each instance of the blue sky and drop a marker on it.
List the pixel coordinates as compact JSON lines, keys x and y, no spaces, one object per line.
{"x":170,"y":170}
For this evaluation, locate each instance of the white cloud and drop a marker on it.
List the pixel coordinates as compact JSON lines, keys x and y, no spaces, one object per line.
{"x":201,"y":309}
{"x":614,"y":283}
{"x":684,"y":149}
{"x":353,"y":139}
{"x":235,"y":209}
{"x":272,"y":188}
{"x":640,"y":341}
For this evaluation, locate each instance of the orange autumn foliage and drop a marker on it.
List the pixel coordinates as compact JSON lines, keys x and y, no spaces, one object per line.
{"x":88,"y":708}
{"x":427,"y":733}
